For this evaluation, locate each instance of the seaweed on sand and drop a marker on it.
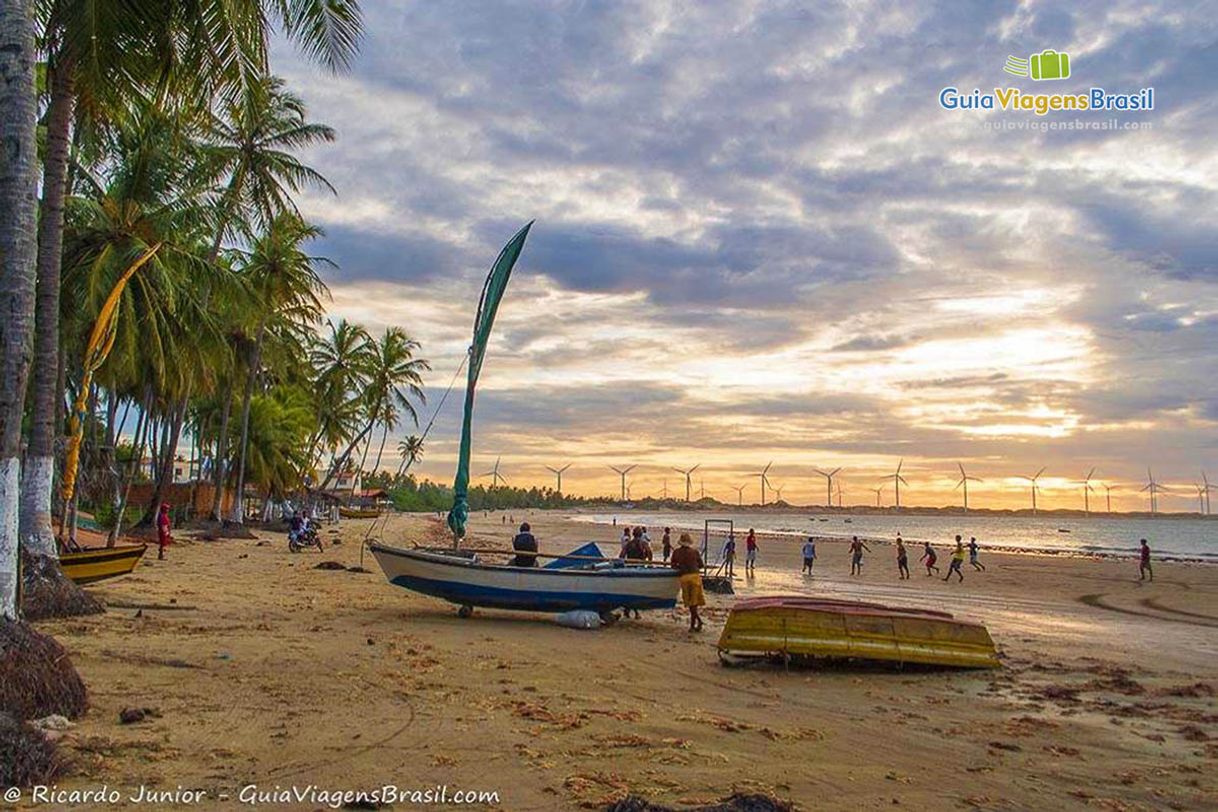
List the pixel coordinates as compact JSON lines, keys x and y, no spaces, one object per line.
{"x":737,"y":802}
{"x":37,"y":677}
{"x":26,"y":755}
{"x":46,"y":592}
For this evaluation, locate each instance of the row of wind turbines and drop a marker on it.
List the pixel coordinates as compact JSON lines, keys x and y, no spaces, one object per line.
{"x":1152,"y":487}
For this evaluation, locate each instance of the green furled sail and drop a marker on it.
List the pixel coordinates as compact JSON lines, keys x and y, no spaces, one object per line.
{"x":488,"y":305}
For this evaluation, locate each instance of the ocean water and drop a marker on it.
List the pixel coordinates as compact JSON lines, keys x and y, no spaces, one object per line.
{"x":1182,"y":538}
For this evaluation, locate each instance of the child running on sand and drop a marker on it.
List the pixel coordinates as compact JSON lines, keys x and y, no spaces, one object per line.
{"x":809,"y":554}
{"x":856,"y":556}
{"x":1144,"y":568}
{"x":688,"y":564}
{"x":972,"y":554}
{"x":902,"y":559}
{"x":929,"y":556}
{"x":957,"y":561}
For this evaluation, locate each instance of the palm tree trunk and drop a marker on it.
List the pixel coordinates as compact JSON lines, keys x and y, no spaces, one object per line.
{"x":18,"y":252}
{"x":238,"y":511}
{"x":384,"y":436}
{"x":338,"y":463}
{"x":137,"y":455}
{"x":172,"y":432}
{"x":37,"y":534}
{"x":218,"y":477}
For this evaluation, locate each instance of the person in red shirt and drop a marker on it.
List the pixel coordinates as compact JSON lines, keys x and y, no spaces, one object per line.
{"x":750,"y":553}
{"x":162,"y":531}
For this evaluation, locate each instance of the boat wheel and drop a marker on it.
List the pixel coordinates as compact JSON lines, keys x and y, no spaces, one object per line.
{"x":465,"y":611}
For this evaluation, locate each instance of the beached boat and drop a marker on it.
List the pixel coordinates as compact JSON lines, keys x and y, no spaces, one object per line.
{"x":99,"y":563}
{"x":462,"y":578}
{"x":803,"y":626}
{"x":358,"y":513}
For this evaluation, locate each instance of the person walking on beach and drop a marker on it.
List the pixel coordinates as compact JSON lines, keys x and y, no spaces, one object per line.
{"x":525,"y":545}
{"x":902,"y":559}
{"x":666,"y":543}
{"x":688,"y":564}
{"x":729,"y":556}
{"x":856,"y":556}
{"x":957,"y":561}
{"x":972,"y":554}
{"x":929,"y":556}
{"x":1145,"y":573}
{"x":809,"y":554}
{"x":163,"y":527}
{"x":750,"y":553}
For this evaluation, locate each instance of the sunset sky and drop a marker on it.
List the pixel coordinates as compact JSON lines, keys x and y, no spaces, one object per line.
{"x":759,"y":237}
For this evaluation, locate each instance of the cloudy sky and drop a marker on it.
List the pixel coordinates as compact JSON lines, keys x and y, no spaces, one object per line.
{"x":759,"y":237}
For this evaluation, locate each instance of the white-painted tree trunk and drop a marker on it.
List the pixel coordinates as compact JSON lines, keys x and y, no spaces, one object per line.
{"x":10,"y":488}
{"x":36,"y":532}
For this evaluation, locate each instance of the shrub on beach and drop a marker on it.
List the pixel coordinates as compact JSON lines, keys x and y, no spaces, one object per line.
{"x":37,"y":677}
{"x":27,"y":756}
{"x":47,"y":593}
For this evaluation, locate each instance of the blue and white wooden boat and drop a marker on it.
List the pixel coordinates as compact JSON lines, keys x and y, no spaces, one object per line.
{"x":468,"y":582}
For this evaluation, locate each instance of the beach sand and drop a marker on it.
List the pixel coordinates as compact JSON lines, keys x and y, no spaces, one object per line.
{"x":263,"y":670}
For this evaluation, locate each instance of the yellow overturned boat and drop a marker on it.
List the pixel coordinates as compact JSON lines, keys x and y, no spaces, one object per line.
{"x":790,"y":626}
{"x":100,"y":563}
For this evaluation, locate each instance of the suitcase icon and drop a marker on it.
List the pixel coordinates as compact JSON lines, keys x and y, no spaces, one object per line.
{"x":1050,"y":64}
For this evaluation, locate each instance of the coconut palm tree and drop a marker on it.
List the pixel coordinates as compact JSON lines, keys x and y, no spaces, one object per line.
{"x":342,"y":364}
{"x":18,"y":211}
{"x":411,"y":450}
{"x":394,"y":382}
{"x":283,"y":280}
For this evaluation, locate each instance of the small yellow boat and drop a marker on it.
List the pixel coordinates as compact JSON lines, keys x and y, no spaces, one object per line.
{"x":801,"y":626}
{"x":358,"y":513}
{"x":99,"y":563}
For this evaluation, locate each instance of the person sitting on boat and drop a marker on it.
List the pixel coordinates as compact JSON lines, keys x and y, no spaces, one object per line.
{"x":525,"y":545}
{"x":688,"y":564}
{"x":625,"y":539}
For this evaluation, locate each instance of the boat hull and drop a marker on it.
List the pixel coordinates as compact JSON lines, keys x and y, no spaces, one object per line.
{"x":98,"y":564}
{"x":357,"y":513}
{"x":846,"y":629}
{"x":467,"y":582}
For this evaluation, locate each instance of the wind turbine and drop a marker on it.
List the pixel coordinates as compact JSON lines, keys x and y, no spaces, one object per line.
{"x":965,"y":479}
{"x":739,"y":489}
{"x":494,"y":474}
{"x":1201,"y":494}
{"x":1108,"y":494}
{"x":1087,"y":491}
{"x":877,"y":492}
{"x":777,"y":492}
{"x":687,"y":477}
{"x":762,"y":473}
{"x":897,"y":480}
{"x":1155,"y":488}
{"x":622,"y":473}
{"x":1208,"y":488}
{"x":1033,"y":479}
{"x":839,"y":493}
{"x":558,"y":473}
{"x":702,"y":487}
{"x":829,"y":482}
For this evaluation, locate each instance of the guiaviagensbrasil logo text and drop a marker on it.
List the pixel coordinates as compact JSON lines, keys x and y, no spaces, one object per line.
{"x":1048,"y":65}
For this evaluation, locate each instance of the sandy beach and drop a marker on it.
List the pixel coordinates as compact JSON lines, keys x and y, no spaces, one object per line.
{"x":262,"y":670}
